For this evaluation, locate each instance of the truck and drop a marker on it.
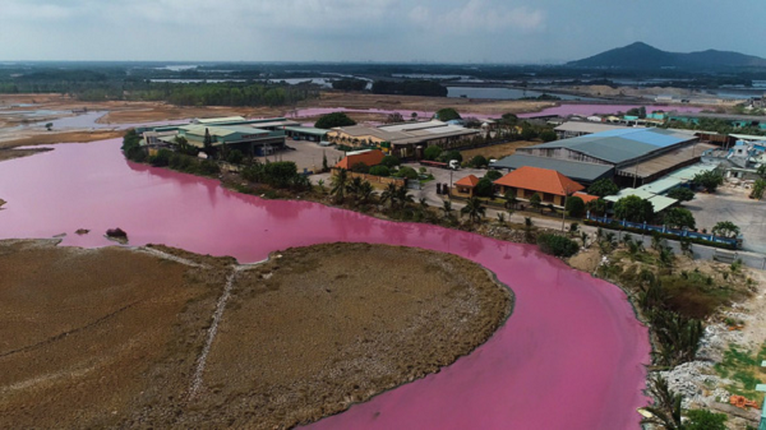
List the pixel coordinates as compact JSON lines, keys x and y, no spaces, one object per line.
{"x":452,"y":165}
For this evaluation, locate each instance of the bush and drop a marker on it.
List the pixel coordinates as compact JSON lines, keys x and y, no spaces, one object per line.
{"x":575,"y":207}
{"x":161,"y":159}
{"x":209,"y":168}
{"x":479,"y":161}
{"x":360,"y":168}
{"x":390,"y":161}
{"x":682,"y":194}
{"x":484,"y":188}
{"x":407,"y":172}
{"x":446,"y":157}
{"x":556,"y":245}
{"x":336,"y":119}
{"x":447,"y":114}
{"x":380,"y":171}
{"x":432,"y":153}
{"x":493,"y":175}
{"x":548,"y":136}
{"x":235,"y":157}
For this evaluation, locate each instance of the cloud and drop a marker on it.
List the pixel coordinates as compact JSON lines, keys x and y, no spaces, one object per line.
{"x":479,"y":15}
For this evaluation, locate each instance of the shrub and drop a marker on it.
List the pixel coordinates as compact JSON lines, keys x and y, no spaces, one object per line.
{"x":235,"y":157}
{"x":407,"y":172}
{"x":484,"y":188}
{"x":682,"y":194}
{"x":493,"y":175}
{"x":360,"y":168}
{"x":447,"y":114}
{"x":548,"y":136}
{"x":478,"y":161}
{"x":432,"y":152}
{"x":446,"y":157}
{"x":380,"y":171}
{"x":556,"y":245}
{"x":390,"y":161}
{"x":575,"y":207}
{"x":161,"y":159}
{"x":209,"y":168}
{"x":336,"y":119}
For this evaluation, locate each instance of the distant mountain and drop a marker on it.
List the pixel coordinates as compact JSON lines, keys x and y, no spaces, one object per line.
{"x":639,"y":55}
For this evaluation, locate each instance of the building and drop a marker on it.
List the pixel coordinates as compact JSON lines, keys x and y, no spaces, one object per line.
{"x":550,"y":185}
{"x":571,"y":129}
{"x":404,"y":140}
{"x":659,"y":203}
{"x":249,"y":140}
{"x":254,"y":137}
{"x":311,"y":134}
{"x":465,"y":186}
{"x":631,"y":156}
{"x":369,"y":158}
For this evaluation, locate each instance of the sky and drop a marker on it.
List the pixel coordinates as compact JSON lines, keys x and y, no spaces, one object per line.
{"x":473,"y":31}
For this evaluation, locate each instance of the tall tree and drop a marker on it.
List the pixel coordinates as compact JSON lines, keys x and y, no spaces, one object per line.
{"x":603,"y":187}
{"x":474,"y":209}
{"x":339,"y":182}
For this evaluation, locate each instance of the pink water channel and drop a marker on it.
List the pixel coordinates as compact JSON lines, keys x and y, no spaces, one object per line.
{"x":571,"y":356}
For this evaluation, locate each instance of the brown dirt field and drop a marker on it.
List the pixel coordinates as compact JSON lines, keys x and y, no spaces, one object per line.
{"x":111,"y":337}
{"x":128,"y":112}
{"x":50,"y":138}
{"x":497,"y":151}
{"x":8,"y":154}
{"x":87,"y":335}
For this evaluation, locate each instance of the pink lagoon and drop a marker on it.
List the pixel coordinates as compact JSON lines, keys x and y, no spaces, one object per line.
{"x":571,"y":356}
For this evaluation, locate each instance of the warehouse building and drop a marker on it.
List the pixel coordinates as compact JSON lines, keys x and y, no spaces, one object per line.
{"x":630,"y":156}
{"x":403,"y":140}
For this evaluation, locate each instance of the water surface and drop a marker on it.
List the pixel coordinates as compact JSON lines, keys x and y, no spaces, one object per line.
{"x":570,"y":357}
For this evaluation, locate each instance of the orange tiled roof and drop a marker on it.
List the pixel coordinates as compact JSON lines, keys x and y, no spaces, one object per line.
{"x":541,"y":180}
{"x":585,"y":197}
{"x":370,"y":158}
{"x":469,"y":181}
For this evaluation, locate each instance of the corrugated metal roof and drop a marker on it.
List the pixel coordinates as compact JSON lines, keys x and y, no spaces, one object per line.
{"x":659,"y":203}
{"x":618,"y":146}
{"x":308,"y":130}
{"x":219,"y":120}
{"x":586,"y":127}
{"x":581,"y":172}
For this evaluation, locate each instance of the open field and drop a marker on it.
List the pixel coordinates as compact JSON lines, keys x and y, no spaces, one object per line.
{"x":497,"y":151}
{"x":112,"y":337}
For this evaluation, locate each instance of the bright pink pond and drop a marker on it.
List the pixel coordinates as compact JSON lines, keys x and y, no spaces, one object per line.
{"x":570,"y":356}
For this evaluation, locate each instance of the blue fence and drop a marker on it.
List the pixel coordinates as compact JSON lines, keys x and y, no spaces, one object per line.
{"x":736,"y":242}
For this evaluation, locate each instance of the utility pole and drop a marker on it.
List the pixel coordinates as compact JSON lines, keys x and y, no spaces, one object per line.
{"x":564,"y":212}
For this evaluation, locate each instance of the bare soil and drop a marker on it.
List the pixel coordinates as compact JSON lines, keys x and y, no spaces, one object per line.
{"x":497,"y":151}
{"x":111,"y":337}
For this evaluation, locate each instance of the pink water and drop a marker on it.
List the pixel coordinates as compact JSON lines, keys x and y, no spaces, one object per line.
{"x":570,"y":357}
{"x":596,"y":109}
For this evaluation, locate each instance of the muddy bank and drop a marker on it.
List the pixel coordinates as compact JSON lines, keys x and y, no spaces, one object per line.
{"x":112,"y":336}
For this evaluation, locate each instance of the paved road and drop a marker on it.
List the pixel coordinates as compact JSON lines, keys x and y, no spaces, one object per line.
{"x":731,"y":203}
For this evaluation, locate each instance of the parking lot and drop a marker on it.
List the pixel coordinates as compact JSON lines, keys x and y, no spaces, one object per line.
{"x":732,"y":204}
{"x":441,"y":176}
{"x":307,"y":155}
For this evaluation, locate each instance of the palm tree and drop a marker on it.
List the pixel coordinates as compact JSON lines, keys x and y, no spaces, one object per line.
{"x":510,"y":200}
{"x":339,"y":182}
{"x":354,"y":187}
{"x":389,"y":195}
{"x":474,"y":209}
{"x":666,"y":410}
{"x":447,"y":208}
{"x":403,"y":196}
{"x":365,"y":192}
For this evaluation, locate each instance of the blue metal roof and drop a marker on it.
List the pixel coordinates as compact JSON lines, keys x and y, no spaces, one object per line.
{"x":618,"y":146}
